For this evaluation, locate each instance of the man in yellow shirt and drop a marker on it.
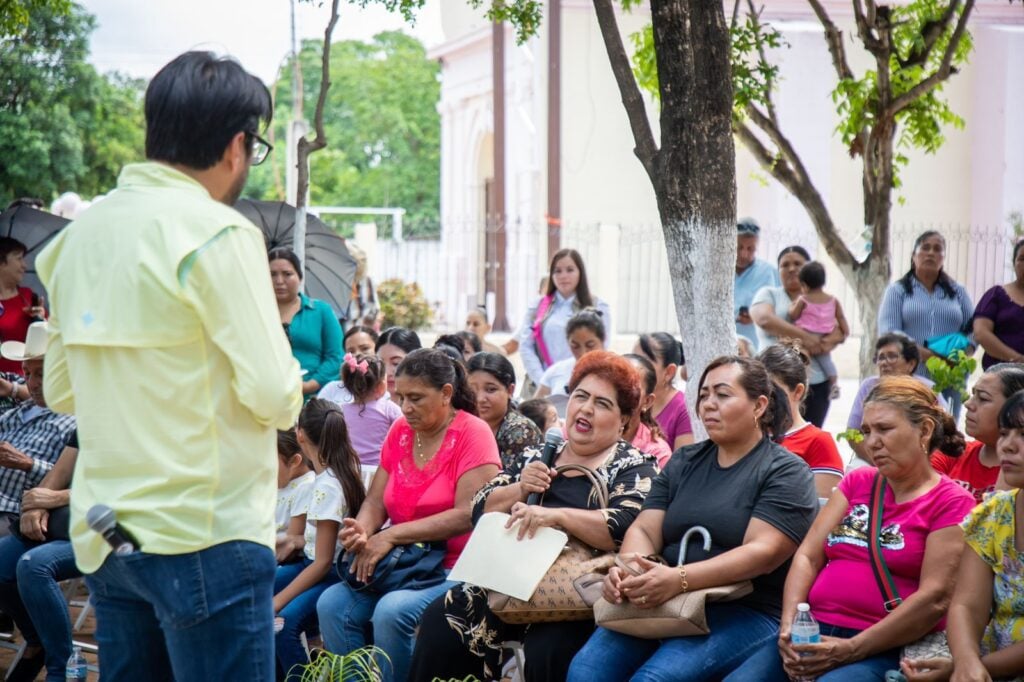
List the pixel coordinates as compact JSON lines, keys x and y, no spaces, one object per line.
{"x":167,"y":346}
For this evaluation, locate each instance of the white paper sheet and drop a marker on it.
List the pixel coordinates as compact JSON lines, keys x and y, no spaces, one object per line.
{"x":494,"y":559}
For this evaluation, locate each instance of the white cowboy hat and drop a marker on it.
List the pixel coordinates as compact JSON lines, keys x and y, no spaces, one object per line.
{"x":34,"y":347}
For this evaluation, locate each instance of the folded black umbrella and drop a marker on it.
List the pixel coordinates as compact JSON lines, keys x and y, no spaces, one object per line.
{"x":34,"y":229}
{"x":329,"y":267}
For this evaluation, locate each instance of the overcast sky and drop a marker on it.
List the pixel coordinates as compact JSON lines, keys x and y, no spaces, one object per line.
{"x":138,"y":37}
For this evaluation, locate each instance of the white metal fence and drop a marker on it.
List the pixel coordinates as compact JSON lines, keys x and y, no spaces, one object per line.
{"x":628,"y":264}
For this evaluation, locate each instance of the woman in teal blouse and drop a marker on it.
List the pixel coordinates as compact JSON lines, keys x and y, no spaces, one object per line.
{"x":310,"y":324}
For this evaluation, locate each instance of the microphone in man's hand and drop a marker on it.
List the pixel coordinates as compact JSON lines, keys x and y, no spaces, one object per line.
{"x":103,"y":520}
{"x":552,"y":441}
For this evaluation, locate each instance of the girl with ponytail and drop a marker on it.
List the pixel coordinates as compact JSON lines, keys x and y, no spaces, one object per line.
{"x":666,"y":354}
{"x":370,"y":415}
{"x":338,"y":492}
{"x":436,"y":456}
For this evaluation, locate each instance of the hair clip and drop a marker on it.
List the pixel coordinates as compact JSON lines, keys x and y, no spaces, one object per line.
{"x":350,"y":361}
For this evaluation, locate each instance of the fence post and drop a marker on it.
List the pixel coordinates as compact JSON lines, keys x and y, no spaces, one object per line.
{"x":607,"y":272}
{"x":366,"y":239}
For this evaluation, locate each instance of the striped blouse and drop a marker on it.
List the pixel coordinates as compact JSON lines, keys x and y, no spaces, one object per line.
{"x":924,"y":315}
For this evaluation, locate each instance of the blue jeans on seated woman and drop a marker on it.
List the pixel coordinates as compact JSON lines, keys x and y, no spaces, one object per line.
{"x":347,"y":617}
{"x":766,"y":664}
{"x":736,"y":632}
{"x":29,"y":593}
{"x":299,"y":615}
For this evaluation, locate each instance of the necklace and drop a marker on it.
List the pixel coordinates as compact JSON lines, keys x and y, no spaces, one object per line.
{"x":419,"y":451}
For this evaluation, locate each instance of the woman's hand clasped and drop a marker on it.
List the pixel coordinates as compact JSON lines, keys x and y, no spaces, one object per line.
{"x":814,"y":660}
{"x":532,"y":517}
{"x":376,"y":548}
{"x":653,"y":587}
{"x":352,"y":536}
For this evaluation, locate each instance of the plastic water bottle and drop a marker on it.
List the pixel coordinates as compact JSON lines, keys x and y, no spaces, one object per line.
{"x":77,"y":669}
{"x":805,"y":630}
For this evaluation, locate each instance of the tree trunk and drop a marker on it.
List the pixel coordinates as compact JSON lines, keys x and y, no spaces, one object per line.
{"x":694,"y":174}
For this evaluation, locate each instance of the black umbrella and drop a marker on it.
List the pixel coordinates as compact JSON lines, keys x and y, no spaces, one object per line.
{"x":34,"y":229}
{"x":329,"y":267}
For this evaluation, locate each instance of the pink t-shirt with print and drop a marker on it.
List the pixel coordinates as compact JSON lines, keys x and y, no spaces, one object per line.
{"x":413,"y":493}
{"x":846,"y":593}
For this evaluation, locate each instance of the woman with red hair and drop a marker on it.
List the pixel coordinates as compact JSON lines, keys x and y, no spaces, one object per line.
{"x":459,"y":636}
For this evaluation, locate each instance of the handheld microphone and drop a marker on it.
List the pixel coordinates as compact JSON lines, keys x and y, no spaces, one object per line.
{"x":552,"y":441}
{"x":103,"y":520}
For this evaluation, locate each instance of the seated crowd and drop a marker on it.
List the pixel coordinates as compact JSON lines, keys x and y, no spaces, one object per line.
{"x":409,"y":447}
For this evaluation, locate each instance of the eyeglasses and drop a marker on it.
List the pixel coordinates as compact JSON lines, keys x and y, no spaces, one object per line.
{"x":260,"y":149}
{"x":888,"y":357}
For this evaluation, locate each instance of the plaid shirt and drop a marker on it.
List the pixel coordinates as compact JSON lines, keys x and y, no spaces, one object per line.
{"x":9,"y":402}
{"x":42,"y":438}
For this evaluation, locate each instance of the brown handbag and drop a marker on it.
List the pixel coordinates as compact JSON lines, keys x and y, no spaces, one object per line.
{"x":681,"y":616}
{"x":556,"y":599}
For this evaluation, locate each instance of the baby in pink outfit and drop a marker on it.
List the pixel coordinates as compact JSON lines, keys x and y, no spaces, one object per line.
{"x":819,"y":313}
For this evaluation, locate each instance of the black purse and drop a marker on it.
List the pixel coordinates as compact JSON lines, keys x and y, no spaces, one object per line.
{"x":415,"y":566}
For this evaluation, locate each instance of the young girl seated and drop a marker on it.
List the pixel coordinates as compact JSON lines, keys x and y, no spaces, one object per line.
{"x":370,"y":415}
{"x":338,"y":492}
{"x":819,"y":313}
{"x":294,"y":486}
{"x":585,"y":332}
{"x":642,"y":430}
{"x":541,"y":412}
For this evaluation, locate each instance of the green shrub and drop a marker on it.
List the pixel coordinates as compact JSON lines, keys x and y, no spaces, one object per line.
{"x":403,"y":304}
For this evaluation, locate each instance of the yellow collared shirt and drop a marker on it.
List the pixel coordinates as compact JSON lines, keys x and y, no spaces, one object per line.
{"x":167,"y":345}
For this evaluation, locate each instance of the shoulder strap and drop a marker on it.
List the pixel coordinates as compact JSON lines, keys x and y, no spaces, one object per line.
{"x":595,"y":481}
{"x":538,"y":328}
{"x":890,"y":594}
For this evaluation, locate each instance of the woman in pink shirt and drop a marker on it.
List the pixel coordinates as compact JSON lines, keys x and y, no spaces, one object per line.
{"x":921,"y":544}
{"x":436,"y":456}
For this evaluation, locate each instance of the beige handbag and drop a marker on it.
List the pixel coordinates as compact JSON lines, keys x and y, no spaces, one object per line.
{"x":556,"y":599}
{"x":681,"y":616}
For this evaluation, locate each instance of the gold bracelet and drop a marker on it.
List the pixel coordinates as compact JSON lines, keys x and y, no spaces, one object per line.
{"x":682,"y":579}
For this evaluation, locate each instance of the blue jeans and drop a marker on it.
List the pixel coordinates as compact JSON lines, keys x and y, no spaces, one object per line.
{"x":736,"y":632}
{"x":346,"y":617}
{"x":766,"y":664}
{"x":299,"y":615}
{"x":29,"y":573}
{"x":206,"y":615}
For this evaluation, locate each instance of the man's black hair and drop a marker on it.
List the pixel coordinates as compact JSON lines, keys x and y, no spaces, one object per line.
{"x":196,"y":104}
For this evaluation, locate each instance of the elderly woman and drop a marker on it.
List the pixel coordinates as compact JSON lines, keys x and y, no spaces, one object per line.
{"x":787,"y":365}
{"x":756,"y":499}
{"x":770,"y":312}
{"x":977,"y":469}
{"x":927,"y":305}
{"x":310,"y":324}
{"x":986,"y":619}
{"x":896,"y":354}
{"x":921,"y":541}
{"x":435,"y":458}
{"x":999,"y":317}
{"x":493,"y":381}
{"x":604,"y":393}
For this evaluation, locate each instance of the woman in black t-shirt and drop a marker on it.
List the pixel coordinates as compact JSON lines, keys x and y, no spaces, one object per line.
{"x":459,"y":636}
{"x":755,"y":498}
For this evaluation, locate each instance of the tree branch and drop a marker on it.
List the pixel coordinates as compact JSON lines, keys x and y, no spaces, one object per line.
{"x":735,"y":15}
{"x":864,"y":26}
{"x":834,"y":39}
{"x":755,"y":17}
{"x":941,"y":73}
{"x":796,"y":182}
{"x":931,"y":31}
{"x":645,"y":149}
{"x":320,"y":141}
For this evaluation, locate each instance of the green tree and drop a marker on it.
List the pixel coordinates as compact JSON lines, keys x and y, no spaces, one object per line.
{"x":63,"y":126}
{"x":14,"y":14}
{"x":382,"y":122}
{"x":893,"y":106}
